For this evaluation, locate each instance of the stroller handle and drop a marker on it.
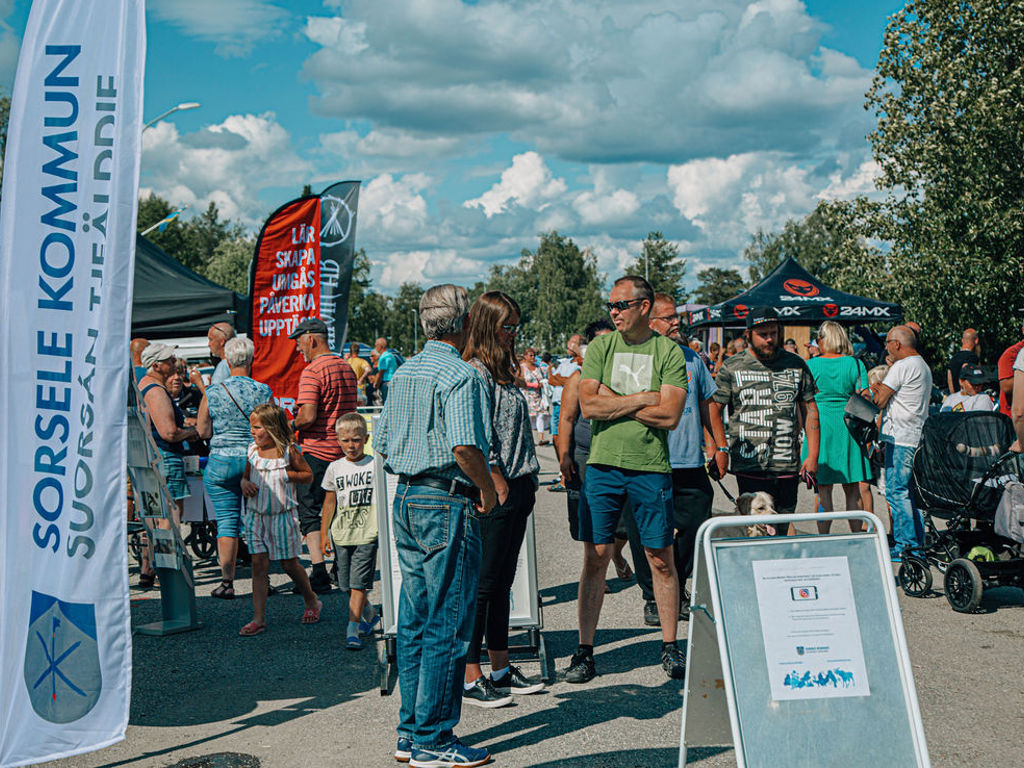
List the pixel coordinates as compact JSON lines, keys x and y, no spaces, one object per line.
{"x":990,"y":474}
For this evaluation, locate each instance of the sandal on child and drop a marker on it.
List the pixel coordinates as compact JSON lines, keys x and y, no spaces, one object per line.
{"x":147,"y":580}
{"x":354,"y":643}
{"x":252,"y":628}
{"x":312,"y":615}
{"x":226,"y":590}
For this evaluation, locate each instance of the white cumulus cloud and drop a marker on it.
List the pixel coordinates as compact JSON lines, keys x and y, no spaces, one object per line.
{"x":528,"y":182}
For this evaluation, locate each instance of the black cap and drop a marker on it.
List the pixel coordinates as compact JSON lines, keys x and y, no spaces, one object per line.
{"x":973,"y":374}
{"x":761,"y":315}
{"x":310,"y":325}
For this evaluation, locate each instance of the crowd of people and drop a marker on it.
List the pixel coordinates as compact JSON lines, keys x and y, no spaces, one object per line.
{"x":642,"y":421}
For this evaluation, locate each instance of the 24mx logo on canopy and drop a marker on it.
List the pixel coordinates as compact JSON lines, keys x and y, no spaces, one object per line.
{"x":741,"y":310}
{"x":62,"y":662}
{"x":801,"y":287}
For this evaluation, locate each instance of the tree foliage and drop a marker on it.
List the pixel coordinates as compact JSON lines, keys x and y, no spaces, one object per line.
{"x":717,"y":285}
{"x":660,"y":264}
{"x":949,"y":97}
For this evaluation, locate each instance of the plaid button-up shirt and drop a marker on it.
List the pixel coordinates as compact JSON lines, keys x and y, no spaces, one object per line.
{"x":436,"y":401}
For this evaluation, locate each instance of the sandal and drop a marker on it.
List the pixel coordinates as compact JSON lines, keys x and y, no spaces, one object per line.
{"x":625,"y":572}
{"x":312,"y":615}
{"x":147,"y":580}
{"x":226,"y":590}
{"x":252,"y":628}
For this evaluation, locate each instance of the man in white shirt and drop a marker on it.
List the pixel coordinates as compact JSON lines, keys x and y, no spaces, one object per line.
{"x":1017,"y":407}
{"x":904,"y":395}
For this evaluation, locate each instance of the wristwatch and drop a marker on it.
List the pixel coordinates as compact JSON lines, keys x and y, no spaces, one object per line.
{"x":722,"y":448}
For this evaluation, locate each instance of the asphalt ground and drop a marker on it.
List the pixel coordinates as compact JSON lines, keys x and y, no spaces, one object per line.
{"x":294,"y":696}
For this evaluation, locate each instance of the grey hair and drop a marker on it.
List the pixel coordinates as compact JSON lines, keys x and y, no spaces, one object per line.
{"x":443,"y":310}
{"x":238,"y":351}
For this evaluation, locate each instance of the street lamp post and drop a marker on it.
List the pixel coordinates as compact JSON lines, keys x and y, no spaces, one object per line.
{"x":179,"y":108}
{"x":415,"y":330}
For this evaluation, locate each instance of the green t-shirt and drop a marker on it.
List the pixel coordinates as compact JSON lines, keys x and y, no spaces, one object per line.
{"x":627,"y":369}
{"x":764,"y":417}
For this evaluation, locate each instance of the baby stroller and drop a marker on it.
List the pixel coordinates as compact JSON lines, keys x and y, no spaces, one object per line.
{"x":960,"y":472}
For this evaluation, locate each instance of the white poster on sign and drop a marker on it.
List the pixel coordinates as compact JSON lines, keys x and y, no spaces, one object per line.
{"x":811,"y":634}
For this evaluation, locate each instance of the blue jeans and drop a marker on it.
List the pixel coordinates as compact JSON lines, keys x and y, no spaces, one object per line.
{"x":438,"y":541}
{"x":907,"y":525}
{"x":223,"y":481}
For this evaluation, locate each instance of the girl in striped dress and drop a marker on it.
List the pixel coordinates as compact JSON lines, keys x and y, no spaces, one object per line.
{"x":270,"y":518}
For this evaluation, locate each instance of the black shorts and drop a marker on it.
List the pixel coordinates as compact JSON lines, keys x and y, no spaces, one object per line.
{"x":782,"y":489}
{"x":311,"y":497}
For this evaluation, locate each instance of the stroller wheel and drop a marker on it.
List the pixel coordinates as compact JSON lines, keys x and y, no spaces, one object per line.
{"x":915,"y":576}
{"x":963,"y":585}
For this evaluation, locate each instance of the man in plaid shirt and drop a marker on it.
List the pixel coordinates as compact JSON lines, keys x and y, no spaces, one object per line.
{"x":434,"y":433}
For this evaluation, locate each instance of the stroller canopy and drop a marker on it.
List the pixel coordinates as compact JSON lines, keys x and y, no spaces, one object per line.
{"x":956,"y":450}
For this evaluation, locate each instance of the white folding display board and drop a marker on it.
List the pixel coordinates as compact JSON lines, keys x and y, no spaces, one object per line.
{"x":797,"y":655}
{"x":525,"y":605}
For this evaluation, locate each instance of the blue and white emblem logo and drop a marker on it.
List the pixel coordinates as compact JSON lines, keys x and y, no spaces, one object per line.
{"x":62,"y":662}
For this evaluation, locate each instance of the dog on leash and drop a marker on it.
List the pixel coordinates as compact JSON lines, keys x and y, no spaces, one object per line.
{"x":758,"y":503}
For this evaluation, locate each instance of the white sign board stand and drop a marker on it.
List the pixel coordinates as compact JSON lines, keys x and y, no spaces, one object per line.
{"x":525,"y":613}
{"x":797,"y":655}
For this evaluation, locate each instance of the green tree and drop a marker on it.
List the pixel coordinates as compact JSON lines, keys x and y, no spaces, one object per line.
{"x":558,"y":288}
{"x":717,"y":284}
{"x":230,"y":264}
{"x":402,"y":319}
{"x":172,"y":239}
{"x":660,"y":264}
{"x":949,"y":97}
{"x":812,"y":241}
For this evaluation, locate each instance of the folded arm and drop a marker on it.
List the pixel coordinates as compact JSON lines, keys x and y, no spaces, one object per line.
{"x":599,"y":402}
{"x":666,"y":412}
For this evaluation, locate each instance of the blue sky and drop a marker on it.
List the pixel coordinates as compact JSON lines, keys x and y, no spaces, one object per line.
{"x":476,"y":125}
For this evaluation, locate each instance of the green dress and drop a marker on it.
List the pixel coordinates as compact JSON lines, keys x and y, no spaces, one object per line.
{"x":840,"y":459}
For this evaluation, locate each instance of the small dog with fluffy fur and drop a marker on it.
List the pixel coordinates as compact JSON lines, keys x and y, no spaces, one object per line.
{"x":758,"y":503}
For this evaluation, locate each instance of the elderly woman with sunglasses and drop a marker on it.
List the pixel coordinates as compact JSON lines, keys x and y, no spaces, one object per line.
{"x":491,"y":349}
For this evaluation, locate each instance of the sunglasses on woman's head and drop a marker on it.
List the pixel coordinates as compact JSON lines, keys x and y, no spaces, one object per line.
{"x":510,"y":328}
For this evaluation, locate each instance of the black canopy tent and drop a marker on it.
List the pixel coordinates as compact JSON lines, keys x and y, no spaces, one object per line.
{"x":799,"y":298}
{"x":171,"y":300}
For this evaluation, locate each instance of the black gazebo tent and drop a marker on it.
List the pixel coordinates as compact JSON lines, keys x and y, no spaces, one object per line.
{"x":799,"y":298}
{"x":171,"y":300}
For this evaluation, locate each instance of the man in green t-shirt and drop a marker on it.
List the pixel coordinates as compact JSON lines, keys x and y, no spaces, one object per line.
{"x":632,"y":388}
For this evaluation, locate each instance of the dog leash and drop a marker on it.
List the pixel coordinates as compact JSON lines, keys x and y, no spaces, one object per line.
{"x":725,"y":490}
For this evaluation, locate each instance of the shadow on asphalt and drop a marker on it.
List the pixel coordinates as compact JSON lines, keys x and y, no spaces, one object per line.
{"x":579,"y":708}
{"x":213,"y":674}
{"x":566,"y":593}
{"x":633,"y":758}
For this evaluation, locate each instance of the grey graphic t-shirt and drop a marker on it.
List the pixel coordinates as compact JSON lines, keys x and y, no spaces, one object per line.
{"x":764,"y":421}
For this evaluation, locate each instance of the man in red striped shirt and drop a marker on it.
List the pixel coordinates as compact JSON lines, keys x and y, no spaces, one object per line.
{"x":327,"y":389}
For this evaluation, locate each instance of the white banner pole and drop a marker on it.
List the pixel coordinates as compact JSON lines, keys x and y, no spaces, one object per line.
{"x":67,"y":248}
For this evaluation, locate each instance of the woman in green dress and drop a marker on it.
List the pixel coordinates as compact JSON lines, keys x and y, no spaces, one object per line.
{"x":841,"y":461}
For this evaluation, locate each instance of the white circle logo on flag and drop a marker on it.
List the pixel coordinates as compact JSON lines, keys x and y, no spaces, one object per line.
{"x":336,"y":218}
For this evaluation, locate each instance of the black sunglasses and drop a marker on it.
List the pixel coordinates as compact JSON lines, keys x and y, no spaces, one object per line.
{"x":510,"y":328}
{"x":622,"y":306}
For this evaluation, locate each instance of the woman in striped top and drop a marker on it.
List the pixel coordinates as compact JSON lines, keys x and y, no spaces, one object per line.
{"x":270,"y":518}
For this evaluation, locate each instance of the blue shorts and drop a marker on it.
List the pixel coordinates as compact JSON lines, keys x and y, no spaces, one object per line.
{"x":606,"y":488}
{"x":174,"y":475}
{"x":556,"y":409}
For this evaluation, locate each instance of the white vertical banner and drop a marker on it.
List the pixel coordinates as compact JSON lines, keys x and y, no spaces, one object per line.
{"x":67,"y":249}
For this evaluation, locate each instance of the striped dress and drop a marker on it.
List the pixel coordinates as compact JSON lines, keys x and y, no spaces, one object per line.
{"x":270,"y":518}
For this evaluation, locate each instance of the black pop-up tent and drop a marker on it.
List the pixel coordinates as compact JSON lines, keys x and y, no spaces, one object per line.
{"x":171,"y":300}
{"x":799,"y":298}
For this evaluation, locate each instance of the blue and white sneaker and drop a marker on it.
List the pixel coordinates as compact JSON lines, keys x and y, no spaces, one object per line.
{"x":353,"y":643}
{"x":404,"y":750}
{"x":366,"y":627}
{"x":455,"y":755}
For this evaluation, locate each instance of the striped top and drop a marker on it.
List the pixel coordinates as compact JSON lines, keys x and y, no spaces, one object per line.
{"x":436,"y":401}
{"x":275,"y":495}
{"x":329,"y":383}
